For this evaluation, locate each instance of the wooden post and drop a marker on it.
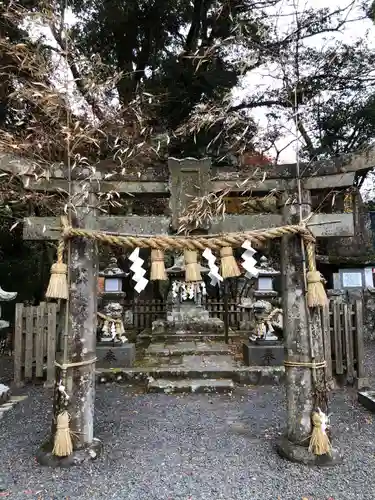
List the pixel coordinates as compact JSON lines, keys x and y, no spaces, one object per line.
{"x":362,"y":380}
{"x":226,"y":311}
{"x":303,"y":344}
{"x":80,"y":346}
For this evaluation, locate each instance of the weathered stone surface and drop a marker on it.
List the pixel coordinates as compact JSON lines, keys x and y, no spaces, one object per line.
{"x":301,"y":454}
{"x":196,"y":385}
{"x":296,"y":336}
{"x":3,"y":484}
{"x":253,"y":375}
{"x":303,"y":395}
{"x":262,"y":355}
{"x":356,"y":249}
{"x":214,"y":361}
{"x":122,"y":356}
{"x":186,"y":348}
{"x":80,"y":383}
{"x":198,"y":348}
{"x":367,"y":399}
{"x":188,"y":178}
{"x":80,"y":456}
{"x":190,"y":336}
{"x":337,"y":224}
{"x":194,"y":325}
{"x":157,"y":349}
{"x":218,"y":360}
{"x":41,"y":228}
{"x":4,"y":394}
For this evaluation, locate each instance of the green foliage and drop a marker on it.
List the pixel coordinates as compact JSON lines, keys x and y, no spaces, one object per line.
{"x":24,"y":266}
{"x":174,"y":49}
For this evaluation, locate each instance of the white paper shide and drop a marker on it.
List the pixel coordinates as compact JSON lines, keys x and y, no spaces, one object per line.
{"x":214,"y":274}
{"x":249,"y":262}
{"x":139,"y":272}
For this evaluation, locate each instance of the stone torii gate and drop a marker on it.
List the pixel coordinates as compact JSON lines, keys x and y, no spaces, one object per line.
{"x":190,"y":177}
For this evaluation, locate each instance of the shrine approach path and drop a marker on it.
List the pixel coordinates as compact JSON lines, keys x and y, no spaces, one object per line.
{"x":194,"y":446}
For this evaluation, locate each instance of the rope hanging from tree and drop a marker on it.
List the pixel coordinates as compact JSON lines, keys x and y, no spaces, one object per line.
{"x":223,"y":243}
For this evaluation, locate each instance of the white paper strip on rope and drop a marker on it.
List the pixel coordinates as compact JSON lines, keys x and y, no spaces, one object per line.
{"x":214,"y":274}
{"x":139,"y":273}
{"x":249,"y":262}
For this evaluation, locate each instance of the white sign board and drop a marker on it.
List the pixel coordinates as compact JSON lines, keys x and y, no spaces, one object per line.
{"x":352,"y":279}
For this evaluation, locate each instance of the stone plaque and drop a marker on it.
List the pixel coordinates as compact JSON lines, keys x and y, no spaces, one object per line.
{"x":115,"y":356}
{"x":188,"y":178}
{"x":262,"y":355}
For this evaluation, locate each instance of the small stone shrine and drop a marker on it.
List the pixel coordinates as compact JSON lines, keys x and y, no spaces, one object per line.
{"x":181,"y":344}
{"x":113,"y":348}
{"x":186,"y":314}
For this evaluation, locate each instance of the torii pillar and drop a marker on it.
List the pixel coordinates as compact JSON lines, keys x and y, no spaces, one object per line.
{"x":80,"y":345}
{"x":303,"y":337}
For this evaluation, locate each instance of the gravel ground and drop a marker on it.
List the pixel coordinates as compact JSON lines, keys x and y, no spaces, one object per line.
{"x":198,"y":447}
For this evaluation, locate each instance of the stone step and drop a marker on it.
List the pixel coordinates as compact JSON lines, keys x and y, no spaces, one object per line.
{"x":189,"y":337}
{"x":191,"y":362}
{"x":251,"y":375}
{"x":190,"y":385}
{"x":186,"y":348}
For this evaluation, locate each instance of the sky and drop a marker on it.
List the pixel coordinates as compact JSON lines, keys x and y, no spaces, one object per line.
{"x":261,"y":79}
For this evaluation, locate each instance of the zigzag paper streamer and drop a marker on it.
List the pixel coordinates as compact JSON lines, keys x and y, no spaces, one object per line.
{"x":249,"y":262}
{"x":214,"y":269}
{"x":139,"y":272}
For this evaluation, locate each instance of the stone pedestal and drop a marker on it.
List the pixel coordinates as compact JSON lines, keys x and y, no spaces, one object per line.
{"x":301,"y":454}
{"x":263,"y":354}
{"x":187,"y":320}
{"x":4,"y":393}
{"x":115,"y":356}
{"x":80,"y":456}
{"x":367,"y":399}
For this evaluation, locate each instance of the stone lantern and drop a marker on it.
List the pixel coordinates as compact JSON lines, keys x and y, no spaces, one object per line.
{"x":265,"y":281}
{"x":265,"y":325}
{"x":5,"y":297}
{"x":113,"y":348}
{"x":113,"y":278}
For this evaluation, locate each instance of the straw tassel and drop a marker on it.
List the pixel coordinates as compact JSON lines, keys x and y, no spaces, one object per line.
{"x":63,"y":445}
{"x":157,"y":266}
{"x":228,"y":266}
{"x":192,"y":268}
{"x":58,"y":283}
{"x":319,"y":441}
{"x":316,"y":294}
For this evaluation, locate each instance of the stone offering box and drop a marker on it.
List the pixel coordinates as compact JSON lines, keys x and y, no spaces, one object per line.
{"x":263,"y":354}
{"x":115,"y":356}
